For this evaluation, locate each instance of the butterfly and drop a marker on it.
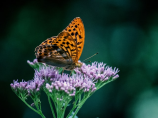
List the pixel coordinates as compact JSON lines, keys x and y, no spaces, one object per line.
{"x":65,"y":49}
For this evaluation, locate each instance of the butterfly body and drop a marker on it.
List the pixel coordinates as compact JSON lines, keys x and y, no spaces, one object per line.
{"x":65,"y":49}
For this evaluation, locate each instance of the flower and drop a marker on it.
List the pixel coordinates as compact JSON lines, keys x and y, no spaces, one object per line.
{"x":32,"y":63}
{"x":48,"y":73}
{"x":18,"y":85}
{"x":98,"y":71}
{"x":32,"y":86}
{"x":71,"y":84}
{"x":62,"y":88}
{"x":85,"y":79}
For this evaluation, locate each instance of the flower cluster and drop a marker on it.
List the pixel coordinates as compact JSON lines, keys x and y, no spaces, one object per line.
{"x":64,"y":87}
{"x":84,"y":79}
{"x":98,"y":71}
{"x":70,"y":84}
{"x":18,"y":85}
{"x":35,"y":84}
{"x":44,"y":71}
{"x":31,"y":86}
{"x":48,"y":73}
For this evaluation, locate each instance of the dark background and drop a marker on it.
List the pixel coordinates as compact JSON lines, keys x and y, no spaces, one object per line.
{"x":124,"y":32}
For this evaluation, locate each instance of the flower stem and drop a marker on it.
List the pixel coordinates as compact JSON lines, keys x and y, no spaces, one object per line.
{"x":32,"y":107}
{"x":38,"y":106}
{"x":81,"y":102}
{"x":64,"y":110}
{"x":74,"y":106}
{"x":51,"y":107}
{"x":104,"y":84}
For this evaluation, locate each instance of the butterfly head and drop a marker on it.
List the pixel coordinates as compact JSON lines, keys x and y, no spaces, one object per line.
{"x":78,"y":64}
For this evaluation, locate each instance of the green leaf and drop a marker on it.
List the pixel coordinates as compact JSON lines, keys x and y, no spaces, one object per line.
{"x":73,"y":72}
{"x":36,"y":65}
{"x":60,"y":70}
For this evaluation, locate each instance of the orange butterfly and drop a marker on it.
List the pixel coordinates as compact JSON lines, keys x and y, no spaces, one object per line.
{"x":65,"y":49}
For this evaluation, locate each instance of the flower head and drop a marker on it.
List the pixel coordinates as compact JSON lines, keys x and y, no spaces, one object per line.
{"x":87,"y":79}
{"x":98,"y":71}
{"x":48,"y":73}
{"x":71,"y":84}
{"x":32,"y":86}
{"x":35,"y":85}
{"x":18,"y":85}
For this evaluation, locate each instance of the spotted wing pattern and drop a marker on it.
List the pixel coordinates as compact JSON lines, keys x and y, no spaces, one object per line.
{"x":76,"y":30}
{"x":67,"y":44}
{"x":48,"y":41}
{"x":62,"y":51}
{"x":65,"y":49}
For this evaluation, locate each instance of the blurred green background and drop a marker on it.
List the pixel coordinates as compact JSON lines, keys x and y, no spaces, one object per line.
{"x":124,"y":32}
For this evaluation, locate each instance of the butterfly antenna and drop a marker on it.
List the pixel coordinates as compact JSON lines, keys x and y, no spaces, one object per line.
{"x":87,"y":61}
{"x":90,"y":57}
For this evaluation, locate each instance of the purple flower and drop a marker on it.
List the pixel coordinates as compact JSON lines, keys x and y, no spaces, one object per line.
{"x":35,"y":84}
{"x":18,"y":85}
{"x":69,"y":84}
{"x":98,"y":71}
{"x":32,"y":63}
{"x":61,"y":88}
{"x":86,"y":79}
{"x":33,"y":104}
{"x":28,"y":87}
{"x":62,"y":84}
{"x":47,"y":73}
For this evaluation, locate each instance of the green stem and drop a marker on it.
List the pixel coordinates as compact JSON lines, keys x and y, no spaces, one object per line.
{"x":74,"y":106}
{"x":58,"y":108}
{"x":105,"y":83}
{"x":38,"y":112}
{"x":38,"y":107}
{"x":51,"y":107}
{"x":65,"y":106}
{"x":80,"y":104}
{"x":42,"y":114}
{"x":64,"y":110}
{"x":54,"y":102}
{"x":30,"y":106}
{"x":78,"y":108}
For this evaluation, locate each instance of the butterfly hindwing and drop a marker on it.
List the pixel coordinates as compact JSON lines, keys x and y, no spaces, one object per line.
{"x":55,"y":56}
{"x":61,"y":52}
{"x":48,"y":41}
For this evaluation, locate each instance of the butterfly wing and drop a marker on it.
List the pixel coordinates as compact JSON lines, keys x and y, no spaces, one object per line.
{"x":76,"y":30}
{"x":48,"y":41}
{"x":62,"y":51}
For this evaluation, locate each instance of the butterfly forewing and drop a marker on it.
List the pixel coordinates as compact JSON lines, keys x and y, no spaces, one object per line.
{"x":76,"y":30}
{"x":67,"y":44}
